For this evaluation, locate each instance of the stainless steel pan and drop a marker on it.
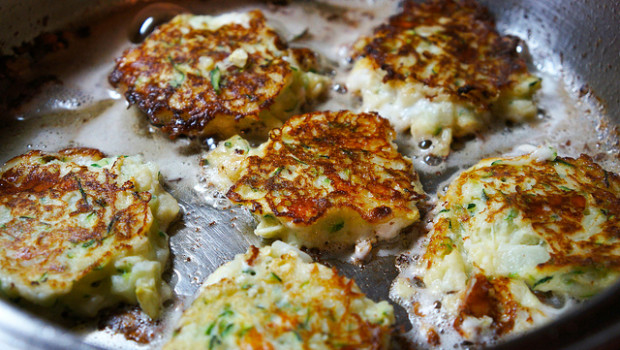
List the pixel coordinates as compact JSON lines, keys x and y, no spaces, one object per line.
{"x":580,"y":40}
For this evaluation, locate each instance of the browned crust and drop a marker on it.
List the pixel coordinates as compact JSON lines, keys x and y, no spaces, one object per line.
{"x":555,"y":211}
{"x":22,"y":188}
{"x":477,"y":62}
{"x":370,"y":335}
{"x":243,"y":92}
{"x":328,"y":143}
{"x":348,"y":330}
{"x":490,"y":298}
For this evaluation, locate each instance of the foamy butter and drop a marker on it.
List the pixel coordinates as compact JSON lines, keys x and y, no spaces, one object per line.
{"x":86,"y":112}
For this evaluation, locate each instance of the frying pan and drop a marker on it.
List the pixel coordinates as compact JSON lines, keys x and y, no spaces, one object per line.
{"x":577,"y":39}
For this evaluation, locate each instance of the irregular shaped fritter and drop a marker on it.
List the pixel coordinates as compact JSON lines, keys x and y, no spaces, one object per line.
{"x":276,"y":298}
{"x":323,"y":178}
{"x":84,"y":230}
{"x":511,"y":231}
{"x":207,"y":75}
{"x":440,"y":69}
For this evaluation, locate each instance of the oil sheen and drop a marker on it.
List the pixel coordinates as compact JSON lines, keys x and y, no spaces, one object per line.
{"x":86,"y":112}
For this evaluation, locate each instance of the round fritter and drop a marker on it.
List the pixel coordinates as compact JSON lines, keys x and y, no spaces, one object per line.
{"x":204,"y":75}
{"x":324,"y":177}
{"x":85,"y":230}
{"x":512,"y":230}
{"x":440,"y":68}
{"x":276,"y":298}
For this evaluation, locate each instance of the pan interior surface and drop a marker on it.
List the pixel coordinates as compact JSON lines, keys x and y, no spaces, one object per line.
{"x":572,"y":46}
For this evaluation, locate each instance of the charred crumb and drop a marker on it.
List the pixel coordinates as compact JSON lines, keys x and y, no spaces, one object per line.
{"x":131,"y":322}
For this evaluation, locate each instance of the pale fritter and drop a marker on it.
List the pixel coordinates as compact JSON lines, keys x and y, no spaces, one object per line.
{"x":323,"y":178}
{"x":511,"y":229}
{"x":203,"y":75}
{"x":83,"y":230}
{"x":276,"y":298}
{"x":441,"y":69}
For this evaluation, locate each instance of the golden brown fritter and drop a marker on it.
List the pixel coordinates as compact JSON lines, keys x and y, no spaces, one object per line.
{"x":203,"y":75}
{"x":325,"y":177}
{"x":276,"y":298}
{"x":510,"y":230}
{"x":571,"y":206}
{"x":79,"y":228}
{"x":440,"y":66}
{"x":475,"y":62}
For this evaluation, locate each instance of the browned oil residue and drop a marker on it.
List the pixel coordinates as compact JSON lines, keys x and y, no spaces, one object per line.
{"x":433,"y":338}
{"x":131,"y":322}
{"x":489,"y":298}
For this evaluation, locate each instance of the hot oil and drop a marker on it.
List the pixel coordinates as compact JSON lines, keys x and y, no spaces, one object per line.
{"x":85,"y":111}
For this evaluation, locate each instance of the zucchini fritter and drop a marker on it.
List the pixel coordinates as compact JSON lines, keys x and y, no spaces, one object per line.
{"x":276,"y":298}
{"x":324,"y":178}
{"x":84,"y":230}
{"x":512,"y":230}
{"x":440,"y":69}
{"x":217,"y":75}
